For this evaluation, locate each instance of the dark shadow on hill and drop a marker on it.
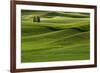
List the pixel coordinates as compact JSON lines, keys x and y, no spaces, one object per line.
{"x":81,"y":30}
{"x":52,"y":14}
{"x":53,"y":29}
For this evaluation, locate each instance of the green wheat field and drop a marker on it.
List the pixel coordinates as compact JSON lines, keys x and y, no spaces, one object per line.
{"x":54,"y":36}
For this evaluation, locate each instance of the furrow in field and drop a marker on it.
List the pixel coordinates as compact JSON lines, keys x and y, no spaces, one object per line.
{"x":38,"y":41}
{"x":58,"y":42}
{"x":65,"y":25}
{"x":58,"y":54}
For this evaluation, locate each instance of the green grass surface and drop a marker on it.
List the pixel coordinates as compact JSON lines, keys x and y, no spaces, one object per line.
{"x":59,"y":36}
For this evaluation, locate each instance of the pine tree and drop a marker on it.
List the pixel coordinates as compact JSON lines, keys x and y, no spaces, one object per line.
{"x":38,"y":18}
{"x":34,"y":19}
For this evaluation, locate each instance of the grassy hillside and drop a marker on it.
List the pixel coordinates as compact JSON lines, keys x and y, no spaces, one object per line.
{"x":59,"y":36}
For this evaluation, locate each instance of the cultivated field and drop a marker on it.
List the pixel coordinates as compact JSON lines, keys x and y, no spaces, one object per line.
{"x":57,"y":36}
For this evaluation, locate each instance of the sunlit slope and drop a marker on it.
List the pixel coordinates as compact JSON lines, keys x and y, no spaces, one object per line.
{"x":62,"y":48}
{"x":37,"y":28}
{"x":46,"y":38}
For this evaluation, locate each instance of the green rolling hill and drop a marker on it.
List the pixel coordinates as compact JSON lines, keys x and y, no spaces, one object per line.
{"x":59,"y":36}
